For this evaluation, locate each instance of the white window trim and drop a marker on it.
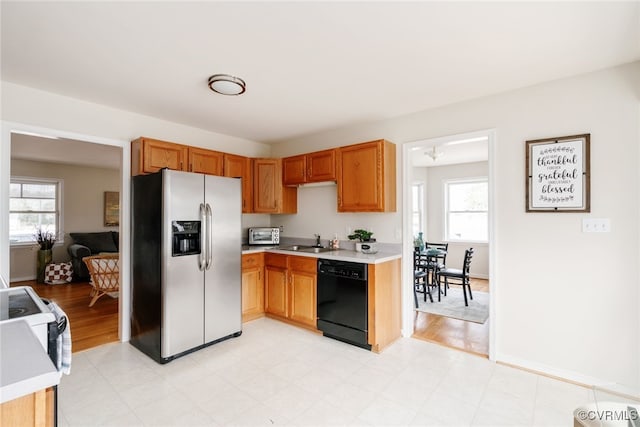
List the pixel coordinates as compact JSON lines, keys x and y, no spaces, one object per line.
{"x":445,"y":216}
{"x":59,"y":207}
{"x":423,"y":209}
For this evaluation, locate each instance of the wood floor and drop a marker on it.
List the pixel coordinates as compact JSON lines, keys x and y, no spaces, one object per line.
{"x":90,"y":326}
{"x":468,"y":336}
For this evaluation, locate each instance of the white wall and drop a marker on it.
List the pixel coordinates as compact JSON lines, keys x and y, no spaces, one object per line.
{"x":564,"y":298}
{"x":83,"y":203}
{"x":435,"y":215}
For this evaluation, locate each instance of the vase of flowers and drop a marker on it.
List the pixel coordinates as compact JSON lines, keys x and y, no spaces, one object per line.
{"x":45,"y":240}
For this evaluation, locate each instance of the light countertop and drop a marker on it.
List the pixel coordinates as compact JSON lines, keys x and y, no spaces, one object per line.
{"x":25,"y":366}
{"x":338,"y":254}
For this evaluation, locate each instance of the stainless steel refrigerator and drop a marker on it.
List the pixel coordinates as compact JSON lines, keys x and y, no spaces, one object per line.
{"x":186,"y":255}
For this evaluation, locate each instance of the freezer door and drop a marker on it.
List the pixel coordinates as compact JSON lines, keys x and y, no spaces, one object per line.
{"x":223,"y":307}
{"x":182,"y":281}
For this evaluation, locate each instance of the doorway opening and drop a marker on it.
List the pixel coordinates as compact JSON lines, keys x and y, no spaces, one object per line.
{"x":84,"y":168}
{"x":448,"y":203}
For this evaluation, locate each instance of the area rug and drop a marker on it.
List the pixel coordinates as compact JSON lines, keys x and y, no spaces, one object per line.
{"x":453,"y":306}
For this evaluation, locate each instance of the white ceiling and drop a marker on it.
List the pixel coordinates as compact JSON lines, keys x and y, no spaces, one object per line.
{"x":309,"y":67}
{"x":453,"y":152}
{"x":67,"y":151}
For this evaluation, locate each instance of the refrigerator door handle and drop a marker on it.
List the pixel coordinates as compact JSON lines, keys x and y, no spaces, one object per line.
{"x":203,"y":222}
{"x":209,"y":237}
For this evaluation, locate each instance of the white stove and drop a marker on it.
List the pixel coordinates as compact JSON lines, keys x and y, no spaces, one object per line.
{"x":23,"y":304}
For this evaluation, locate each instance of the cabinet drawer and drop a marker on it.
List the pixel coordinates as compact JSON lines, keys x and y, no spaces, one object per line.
{"x":301,"y":263}
{"x":252,"y":260}
{"x":276,"y":260}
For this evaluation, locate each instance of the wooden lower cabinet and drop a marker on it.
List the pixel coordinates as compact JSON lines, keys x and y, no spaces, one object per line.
{"x":385,"y":304}
{"x":290,"y":289}
{"x":302,"y":290}
{"x":276,"y":291}
{"x":252,"y":286}
{"x":33,"y":410}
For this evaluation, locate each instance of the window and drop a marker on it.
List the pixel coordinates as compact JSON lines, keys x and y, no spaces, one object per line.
{"x":417,"y":207}
{"x":466,"y":208}
{"x":33,"y":203}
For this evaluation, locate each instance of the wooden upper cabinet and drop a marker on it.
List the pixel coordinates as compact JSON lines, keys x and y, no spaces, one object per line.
{"x":269,"y":194}
{"x":367,"y":177}
{"x":205,"y":161}
{"x":321,"y":166}
{"x":294,"y":170}
{"x":313,"y":167}
{"x":240,"y":167}
{"x":150,"y":155}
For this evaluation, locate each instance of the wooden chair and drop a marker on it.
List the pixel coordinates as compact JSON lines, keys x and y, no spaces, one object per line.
{"x":105,"y":275}
{"x":420,"y":275}
{"x":435,"y":264}
{"x":459,"y":277}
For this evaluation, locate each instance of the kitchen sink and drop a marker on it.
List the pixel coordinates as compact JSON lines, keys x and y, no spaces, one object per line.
{"x":315,"y":249}
{"x":311,"y":249}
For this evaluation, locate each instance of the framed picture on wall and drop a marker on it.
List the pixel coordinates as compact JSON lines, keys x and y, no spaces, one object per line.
{"x":111,"y":208}
{"x":558,"y":174}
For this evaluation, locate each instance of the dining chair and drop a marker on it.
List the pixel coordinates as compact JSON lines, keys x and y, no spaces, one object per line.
{"x":459,"y":277}
{"x":436,"y":263}
{"x":420,"y":275}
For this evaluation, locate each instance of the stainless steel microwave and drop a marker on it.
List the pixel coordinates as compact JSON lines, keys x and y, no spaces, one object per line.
{"x":264,"y":236}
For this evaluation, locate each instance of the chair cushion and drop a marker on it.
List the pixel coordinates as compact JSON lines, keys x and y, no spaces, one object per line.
{"x":451,"y":272}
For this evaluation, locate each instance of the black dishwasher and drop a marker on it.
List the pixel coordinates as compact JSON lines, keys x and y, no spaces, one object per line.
{"x":342,"y":301}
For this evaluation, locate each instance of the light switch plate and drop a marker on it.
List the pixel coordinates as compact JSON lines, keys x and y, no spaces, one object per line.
{"x":596,"y":225}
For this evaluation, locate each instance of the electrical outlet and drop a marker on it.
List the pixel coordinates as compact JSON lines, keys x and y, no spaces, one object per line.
{"x":281,"y":228}
{"x":596,"y":225}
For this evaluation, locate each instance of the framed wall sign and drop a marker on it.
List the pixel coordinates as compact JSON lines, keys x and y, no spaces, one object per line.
{"x":558,"y":174}
{"x":111,"y":208}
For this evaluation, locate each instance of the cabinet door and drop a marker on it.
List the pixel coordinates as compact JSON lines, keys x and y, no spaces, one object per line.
{"x":276,"y":290}
{"x":366,"y":177}
{"x":302,"y":297}
{"x":266,"y":177}
{"x":269,"y":194}
{"x":157,"y":155}
{"x":252,"y":293}
{"x":294,"y":170}
{"x":205,"y":161}
{"x":321,"y":166}
{"x":240,"y":167}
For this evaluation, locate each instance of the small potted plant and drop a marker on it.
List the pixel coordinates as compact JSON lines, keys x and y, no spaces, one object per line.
{"x":363,"y":236}
{"x":45,"y":239}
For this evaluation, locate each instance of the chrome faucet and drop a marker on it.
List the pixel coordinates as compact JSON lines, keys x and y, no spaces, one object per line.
{"x":317,"y":240}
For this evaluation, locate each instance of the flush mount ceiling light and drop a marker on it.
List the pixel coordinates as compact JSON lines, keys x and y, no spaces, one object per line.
{"x":227,"y":85}
{"x":433,"y":153}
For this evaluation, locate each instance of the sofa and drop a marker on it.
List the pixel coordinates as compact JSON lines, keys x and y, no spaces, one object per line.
{"x":87,"y":244}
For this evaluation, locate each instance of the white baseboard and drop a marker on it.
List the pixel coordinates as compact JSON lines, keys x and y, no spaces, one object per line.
{"x":563,"y":374}
{"x":479,"y":276}
{"x":21,"y":279}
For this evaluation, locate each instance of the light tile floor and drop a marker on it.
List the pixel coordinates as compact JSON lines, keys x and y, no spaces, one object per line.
{"x":275,"y":373}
